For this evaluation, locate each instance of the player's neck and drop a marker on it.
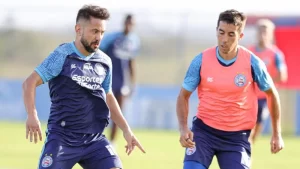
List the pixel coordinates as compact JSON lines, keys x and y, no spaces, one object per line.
{"x":230,"y":55}
{"x":263,"y":46}
{"x":81,"y":48}
{"x":126,"y":32}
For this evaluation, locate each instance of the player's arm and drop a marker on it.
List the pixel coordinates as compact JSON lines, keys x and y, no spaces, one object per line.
{"x":48,"y":69}
{"x":33,"y":129}
{"x":132,"y":68}
{"x":116,"y":113}
{"x":29,"y":86}
{"x":191,"y":82}
{"x":117,"y":116}
{"x":281,"y":67}
{"x":266,"y":84}
{"x":182,"y":108}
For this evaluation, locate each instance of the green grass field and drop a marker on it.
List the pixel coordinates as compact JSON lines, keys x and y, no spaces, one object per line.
{"x":163,"y":151}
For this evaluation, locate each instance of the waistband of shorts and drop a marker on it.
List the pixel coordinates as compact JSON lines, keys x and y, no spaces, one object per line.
{"x":201,"y":125}
{"x":65,"y":130}
{"x":262,"y":99}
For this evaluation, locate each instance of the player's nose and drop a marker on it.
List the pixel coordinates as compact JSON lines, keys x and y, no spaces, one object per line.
{"x":225,"y":39}
{"x":98,"y":38}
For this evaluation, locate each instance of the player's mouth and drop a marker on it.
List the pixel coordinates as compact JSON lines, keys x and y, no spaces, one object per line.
{"x":95,"y":44}
{"x":223,"y":46}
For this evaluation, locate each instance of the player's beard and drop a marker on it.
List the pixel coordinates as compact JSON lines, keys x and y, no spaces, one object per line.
{"x":87,"y":46}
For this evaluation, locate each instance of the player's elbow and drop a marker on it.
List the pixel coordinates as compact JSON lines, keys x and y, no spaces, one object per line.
{"x":272,"y":93}
{"x":32,"y":81}
{"x":183,"y":96}
{"x":25,"y":84}
{"x":110,"y":98}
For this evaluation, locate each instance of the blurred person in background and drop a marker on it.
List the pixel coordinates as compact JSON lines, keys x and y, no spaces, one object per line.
{"x":122,"y":47}
{"x":274,"y":60}
{"x":79,"y":77}
{"x":225,"y":76}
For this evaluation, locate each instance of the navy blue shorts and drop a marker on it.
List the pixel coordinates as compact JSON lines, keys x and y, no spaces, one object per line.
{"x":232,"y":149}
{"x":60,"y":152}
{"x":262,"y":103}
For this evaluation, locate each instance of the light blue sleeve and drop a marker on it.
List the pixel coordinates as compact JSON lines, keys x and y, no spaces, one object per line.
{"x":107,"y":83}
{"x":260,"y":73}
{"x":137,"y":46}
{"x":280,"y":61}
{"x":192,"y":77}
{"x":107,"y":40}
{"x":52,"y":65}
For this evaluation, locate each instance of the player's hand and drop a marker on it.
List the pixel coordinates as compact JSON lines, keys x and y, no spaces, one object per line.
{"x":277,"y":143}
{"x":33,"y":128}
{"x":132,"y":141}
{"x":187,"y":138}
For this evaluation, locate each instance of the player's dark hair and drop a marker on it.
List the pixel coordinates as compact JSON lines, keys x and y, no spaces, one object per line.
{"x":128,"y":17}
{"x":234,"y":17}
{"x":88,"y":11}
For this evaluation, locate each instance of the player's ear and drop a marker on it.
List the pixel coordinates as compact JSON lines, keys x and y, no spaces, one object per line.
{"x":241,"y":35}
{"x":78,"y":29}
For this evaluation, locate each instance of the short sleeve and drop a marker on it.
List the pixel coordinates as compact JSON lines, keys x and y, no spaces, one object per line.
{"x":280,"y":61}
{"x":52,"y":65}
{"x":261,"y":75}
{"x":192,"y":77}
{"x":107,"y":83}
{"x":136,"y":47}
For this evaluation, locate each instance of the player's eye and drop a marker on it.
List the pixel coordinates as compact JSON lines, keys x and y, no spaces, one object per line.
{"x":232,"y":35}
{"x":95,"y":31}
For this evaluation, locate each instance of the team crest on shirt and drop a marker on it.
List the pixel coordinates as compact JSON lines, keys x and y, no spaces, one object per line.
{"x":47,"y":161}
{"x":99,"y":69}
{"x":190,"y":151}
{"x":240,"y":80}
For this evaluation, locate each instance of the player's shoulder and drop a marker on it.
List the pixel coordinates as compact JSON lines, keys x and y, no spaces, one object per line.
{"x":100,"y":56}
{"x":276,"y":50}
{"x":197,"y":60}
{"x":210,"y":49}
{"x":61,"y":52}
{"x":246,"y":50}
{"x":65,"y":48}
{"x":256,"y":61}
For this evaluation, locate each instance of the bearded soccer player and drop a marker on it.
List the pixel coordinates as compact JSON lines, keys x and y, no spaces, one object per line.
{"x":79,"y":77}
{"x":225,"y":76}
{"x":274,"y":60}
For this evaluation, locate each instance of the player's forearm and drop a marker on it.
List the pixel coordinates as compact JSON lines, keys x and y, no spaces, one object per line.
{"x":282,"y":76}
{"x":116,"y":114}
{"x":275,"y":110}
{"x":29,"y":97}
{"x":132,"y":71}
{"x":182,"y":109}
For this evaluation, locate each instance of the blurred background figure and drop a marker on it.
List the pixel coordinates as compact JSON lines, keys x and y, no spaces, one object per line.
{"x":122,"y":47}
{"x":274,"y":59}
